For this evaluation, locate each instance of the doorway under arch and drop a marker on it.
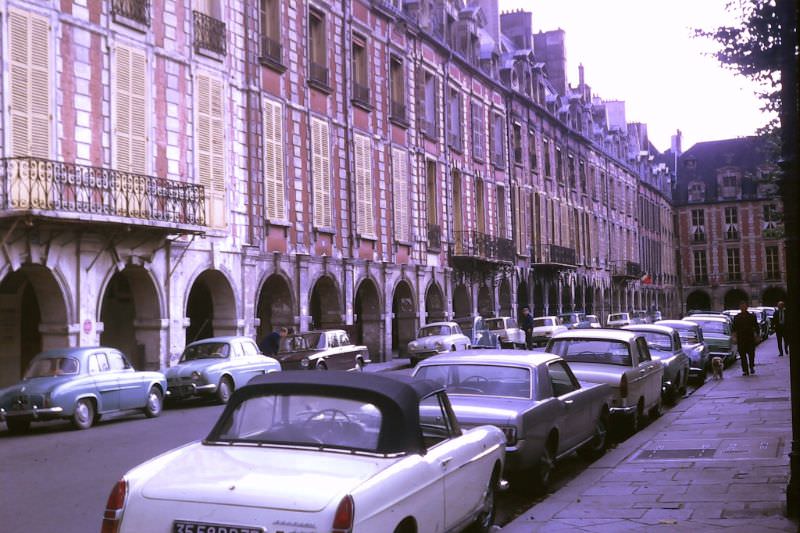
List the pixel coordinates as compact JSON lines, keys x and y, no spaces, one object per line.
{"x":772,"y":295}
{"x":325,"y":304}
{"x":522,"y":299}
{"x":504,"y":297}
{"x":698,"y":300}
{"x":403,"y":318}
{"x":434,"y":304}
{"x":485,"y":306}
{"x":211,"y":307}
{"x":734,"y":297}
{"x":275,"y":307}
{"x":367,"y":321}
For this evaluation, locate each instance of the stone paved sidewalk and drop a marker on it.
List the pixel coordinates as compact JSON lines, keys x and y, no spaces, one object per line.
{"x":718,"y":459}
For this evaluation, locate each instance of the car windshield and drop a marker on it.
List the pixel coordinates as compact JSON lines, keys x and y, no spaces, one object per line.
{"x":568,"y":319}
{"x":304,"y":341}
{"x":495,"y":323}
{"x":303,"y":419}
{"x":541,"y":322}
{"x":592,"y":318}
{"x":205,"y":350}
{"x":657,"y":341}
{"x":618,"y":316}
{"x":52,"y":366}
{"x":591,"y":351}
{"x":432,"y":331}
{"x":480,"y":380}
{"x":688,"y":335}
{"x":712,"y":326}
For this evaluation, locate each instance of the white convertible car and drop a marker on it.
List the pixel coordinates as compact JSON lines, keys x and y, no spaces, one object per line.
{"x":320,"y":451}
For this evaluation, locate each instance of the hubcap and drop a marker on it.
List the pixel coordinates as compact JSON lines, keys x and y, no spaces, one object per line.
{"x":153,"y":401}
{"x":82,"y":412}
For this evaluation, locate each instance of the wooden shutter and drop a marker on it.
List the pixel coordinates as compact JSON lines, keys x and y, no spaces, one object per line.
{"x":210,"y":148}
{"x":321,"y":172}
{"x":274,"y":195}
{"x":364,"y":205}
{"x":402,"y":229}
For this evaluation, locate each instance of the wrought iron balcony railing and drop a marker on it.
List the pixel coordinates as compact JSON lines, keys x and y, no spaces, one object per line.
{"x":29,"y":184}
{"x":361,"y":93}
{"x":482,"y":246}
{"x":398,"y":111}
{"x":135,"y":10}
{"x":553,"y":254}
{"x":733,"y":277}
{"x":318,"y":73}
{"x":626,"y":270}
{"x":271,"y":50}
{"x":698,"y":280}
{"x":434,"y":237}
{"x":209,"y":33}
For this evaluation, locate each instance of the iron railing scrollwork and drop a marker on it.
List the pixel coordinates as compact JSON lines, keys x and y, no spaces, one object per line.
{"x":480,"y":245}
{"x":209,"y":33}
{"x":318,"y":73}
{"x":135,"y":10}
{"x":28,"y":183}
{"x":361,"y":93}
{"x":398,"y":111}
{"x":271,"y":50}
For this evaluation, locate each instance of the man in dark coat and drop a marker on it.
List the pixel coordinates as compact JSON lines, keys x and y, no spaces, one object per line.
{"x":271,"y":343}
{"x":527,"y":325}
{"x":745,"y":328}
{"x":779,"y":325}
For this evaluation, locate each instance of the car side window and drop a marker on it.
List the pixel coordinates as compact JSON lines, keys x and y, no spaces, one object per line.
{"x":333,"y":341}
{"x":644,"y":351}
{"x":236,"y":350}
{"x":102,"y":362}
{"x":94,"y":365}
{"x":561,"y":378}
{"x":457,"y":329}
{"x":434,"y":420}
{"x":116,"y":362}
{"x":249,"y":348}
{"x":512,"y":323}
{"x":344,"y":340}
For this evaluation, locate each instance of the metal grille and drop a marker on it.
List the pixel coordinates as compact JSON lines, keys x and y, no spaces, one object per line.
{"x":136,"y":10}
{"x":209,"y":33}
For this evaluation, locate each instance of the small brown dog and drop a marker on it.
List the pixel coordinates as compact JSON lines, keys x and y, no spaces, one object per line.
{"x":717,"y":367}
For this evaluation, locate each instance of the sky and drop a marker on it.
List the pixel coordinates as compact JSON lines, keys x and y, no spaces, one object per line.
{"x":644,"y":52}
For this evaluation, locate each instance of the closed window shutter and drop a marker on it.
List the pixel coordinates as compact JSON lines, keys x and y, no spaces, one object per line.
{"x":29,"y":81}
{"x":210,"y":148}
{"x":130,"y":134}
{"x":402,"y":230}
{"x":365,"y":214}
{"x":321,"y":172}
{"x":273,"y":160}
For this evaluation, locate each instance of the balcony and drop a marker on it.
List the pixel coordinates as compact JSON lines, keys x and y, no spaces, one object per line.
{"x":361,"y":95}
{"x":454,"y":141}
{"x":698,"y":281}
{"x":398,"y":113}
{"x":318,"y":75}
{"x":732,"y":277}
{"x":136,"y":11}
{"x":209,"y":34}
{"x":434,"y":238}
{"x":66,"y":192}
{"x":553,"y":256}
{"x":272,"y":53}
{"x":625,"y":271}
{"x":428,"y":128}
{"x":475,"y":245}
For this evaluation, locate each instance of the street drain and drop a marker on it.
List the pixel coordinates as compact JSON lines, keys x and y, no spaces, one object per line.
{"x":655,"y":455}
{"x":708,"y":449}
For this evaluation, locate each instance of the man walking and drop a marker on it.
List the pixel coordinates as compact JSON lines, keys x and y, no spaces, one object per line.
{"x":745,"y":331}
{"x":779,"y":325}
{"x":271,"y":343}
{"x":527,"y":326}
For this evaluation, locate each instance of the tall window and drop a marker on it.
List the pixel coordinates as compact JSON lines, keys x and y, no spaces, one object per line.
{"x":582,"y":176}
{"x":321,"y":173}
{"x":501,"y":211}
{"x":360,"y":71}
{"x":429,"y":104}
{"x":734,"y":266}
{"x":571,"y":170}
{"x":402,"y":228}
{"x":478,"y":132}
{"x":271,"y":30}
{"x":516,"y":141}
{"x":397,"y":86}
{"x":731,"y":223}
{"x":559,"y":167}
{"x":729,"y":187}
{"x":772,"y":264}
{"x":273,"y":160}
{"x":433,"y":212}
{"x":318,"y":48}
{"x":480,"y":207}
{"x":454,"y":128}
{"x":548,"y":164}
{"x":498,"y":140}
{"x":365,"y":215}
{"x":209,"y":132}
{"x":770,"y":223}
{"x":533,"y":162}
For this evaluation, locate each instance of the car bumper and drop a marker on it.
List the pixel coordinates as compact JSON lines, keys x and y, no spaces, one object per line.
{"x":621,"y":412}
{"x":187,"y":390}
{"x":35,"y":413}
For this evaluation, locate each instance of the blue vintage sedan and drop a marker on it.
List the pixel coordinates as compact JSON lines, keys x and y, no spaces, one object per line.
{"x":216,"y":366}
{"x":80,"y":384}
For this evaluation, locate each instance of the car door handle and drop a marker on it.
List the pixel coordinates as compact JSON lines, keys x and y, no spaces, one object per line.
{"x":446,"y":461}
{"x":642,"y":370}
{"x":569,"y":402}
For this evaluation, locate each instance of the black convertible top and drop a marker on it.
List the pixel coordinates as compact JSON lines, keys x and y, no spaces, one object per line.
{"x":397,"y":397}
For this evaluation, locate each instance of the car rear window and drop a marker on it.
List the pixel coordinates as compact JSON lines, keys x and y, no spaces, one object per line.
{"x":480,"y":380}
{"x":618,"y":316}
{"x":432,"y":331}
{"x":712,"y":326}
{"x":206,"y":350}
{"x":591,"y":351}
{"x":52,"y":366}
{"x":305,"y":420}
{"x":658,"y":341}
{"x":540,"y":322}
{"x":495,"y":323}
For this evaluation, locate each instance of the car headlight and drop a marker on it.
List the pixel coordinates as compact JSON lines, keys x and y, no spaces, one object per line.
{"x":439,"y":345}
{"x":195,"y":376}
{"x":305,"y":362}
{"x":412,"y":345}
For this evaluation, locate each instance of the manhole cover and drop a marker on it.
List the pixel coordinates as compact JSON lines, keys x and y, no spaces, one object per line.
{"x":761,"y":400}
{"x":675,"y":454}
{"x":708,"y":449}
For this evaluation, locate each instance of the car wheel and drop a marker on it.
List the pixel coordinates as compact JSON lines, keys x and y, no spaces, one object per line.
{"x":485,"y":519}
{"x":657,"y":410}
{"x":224,"y":390}
{"x":321,"y":366}
{"x":155,"y":402}
{"x":684,"y":383}
{"x":546,"y":463}
{"x":83,"y":417}
{"x":359,"y":365}
{"x":599,"y":443}
{"x":18,"y":426}
{"x":453,"y":348}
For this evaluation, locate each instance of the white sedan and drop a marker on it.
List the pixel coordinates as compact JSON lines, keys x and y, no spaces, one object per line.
{"x":320,"y":451}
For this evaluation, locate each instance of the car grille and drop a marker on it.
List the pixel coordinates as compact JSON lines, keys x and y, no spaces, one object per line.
{"x":28,"y":400}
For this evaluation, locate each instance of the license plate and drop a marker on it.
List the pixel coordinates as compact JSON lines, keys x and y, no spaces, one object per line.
{"x":181,"y":526}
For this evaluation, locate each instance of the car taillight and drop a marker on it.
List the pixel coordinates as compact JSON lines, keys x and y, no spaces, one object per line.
{"x":623,"y":386}
{"x":114,"y":507}
{"x":345,"y":513}
{"x":511,"y":435}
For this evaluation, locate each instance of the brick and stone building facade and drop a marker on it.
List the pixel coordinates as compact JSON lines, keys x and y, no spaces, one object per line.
{"x":730,"y":224}
{"x":176,"y":169}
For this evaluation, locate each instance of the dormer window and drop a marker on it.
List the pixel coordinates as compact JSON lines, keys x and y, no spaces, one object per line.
{"x":697,"y":192}
{"x":730,"y":188}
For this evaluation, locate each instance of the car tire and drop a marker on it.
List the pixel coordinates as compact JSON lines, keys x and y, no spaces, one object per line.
{"x":18,"y":426}
{"x":543,"y":470}
{"x":83,"y":417}
{"x":359,"y":365}
{"x":599,"y":444}
{"x":321,"y":366}
{"x":224,"y":390}
{"x":656,"y":411}
{"x":453,"y":348}
{"x":485,"y":520}
{"x":155,"y":402}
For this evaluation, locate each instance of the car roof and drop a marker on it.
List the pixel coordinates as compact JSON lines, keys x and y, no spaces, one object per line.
{"x":655,"y":328}
{"x":396,"y":396}
{"x":491,"y":356}
{"x":619,"y":313}
{"x":72,"y":351}
{"x":598,"y":333}
{"x":224,"y":338}
{"x":546,"y":316}
{"x":707,"y":318}
{"x":676,"y":323}
{"x":439,"y":324}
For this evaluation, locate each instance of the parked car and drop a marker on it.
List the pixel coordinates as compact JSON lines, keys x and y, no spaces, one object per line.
{"x":574,"y":320}
{"x":508,"y":332}
{"x":437,"y":337}
{"x":481,"y":336}
{"x":215,"y":367}
{"x":593,"y":321}
{"x":329,"y":349}
{"x":620,"y":359}
{"x":534,"y":398}
{"x":81,"y":385}
{"x":665,"y":345}
{"x":654,"y":316}
{"x":640,"y":316}
{"x":770,"y":311}
{"x":545,"y":327}
{"x":763,"y":321}
{"x":693,"y":345}
{"x":717,"y":334}
{"x":311,"y":451}
{"x":617,"y":320}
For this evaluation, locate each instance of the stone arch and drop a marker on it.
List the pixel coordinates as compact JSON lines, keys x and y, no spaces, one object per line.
{"x":554,"y":304}
{"x":539,"y":308}
{"x":734,"y":297}
{"x":131,"y":310}
{"x":325,"y":305}
{"x":275,"y":305}
{"x":462,"y":306}
{"x":522,"y":298}
{"x":210,"y":306}
{"x":434,"y":303}
{"x":404,"y":311}
{"x":485,"y":305}
{"x":698,"y":300}
{"x":367,"y":320}
{"x":504,"y":297}
{"x":35,"y":309}
{"x":772,"y":295}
